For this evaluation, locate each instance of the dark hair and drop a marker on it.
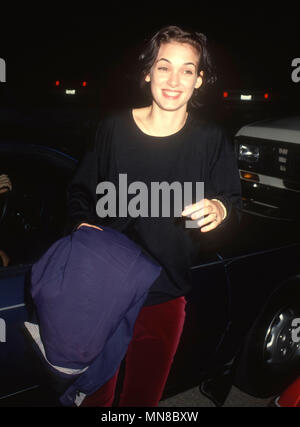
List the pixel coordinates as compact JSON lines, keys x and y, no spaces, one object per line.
{"x":174,"y":33}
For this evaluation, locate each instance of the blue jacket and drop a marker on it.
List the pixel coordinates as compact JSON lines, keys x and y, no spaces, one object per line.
{"x":88,"y":289}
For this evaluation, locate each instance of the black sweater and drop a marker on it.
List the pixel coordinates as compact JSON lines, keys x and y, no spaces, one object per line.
{"x":199,"y":152}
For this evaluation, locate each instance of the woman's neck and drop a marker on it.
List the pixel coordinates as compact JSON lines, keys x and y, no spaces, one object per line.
{"x":157,"y":122}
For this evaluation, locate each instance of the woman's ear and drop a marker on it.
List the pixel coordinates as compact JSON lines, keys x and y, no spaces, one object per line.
{"x":199,"y":80}
{"x":147,"y":78}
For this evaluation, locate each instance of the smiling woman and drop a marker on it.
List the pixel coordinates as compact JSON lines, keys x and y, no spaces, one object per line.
{"x":201,"y":62}
{"x":161,"y":142}
{"x":174,"y":76}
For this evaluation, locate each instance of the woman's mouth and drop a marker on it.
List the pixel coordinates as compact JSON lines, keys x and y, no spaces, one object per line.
{"x":171,"y":94}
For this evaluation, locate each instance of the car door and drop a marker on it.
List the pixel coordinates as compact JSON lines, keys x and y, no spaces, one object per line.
{"x":17,"y":371}
{"x":207,"y":316}
{"x":33,"y":220}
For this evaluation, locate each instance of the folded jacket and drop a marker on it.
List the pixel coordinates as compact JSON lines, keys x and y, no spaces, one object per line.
{"x":88,"y":289}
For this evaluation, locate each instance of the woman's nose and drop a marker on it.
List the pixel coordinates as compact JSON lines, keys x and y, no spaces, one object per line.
{"x":173,"y":80}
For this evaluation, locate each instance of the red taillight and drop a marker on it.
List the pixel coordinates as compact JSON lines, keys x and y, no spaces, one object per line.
{"x":225,"y":94}
{"x":266,"y":96}
{"x":57,"y":83}
{"x":84,"y":84}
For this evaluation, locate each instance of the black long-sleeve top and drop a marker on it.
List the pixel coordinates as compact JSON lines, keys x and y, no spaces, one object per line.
{"x":199,"y":152}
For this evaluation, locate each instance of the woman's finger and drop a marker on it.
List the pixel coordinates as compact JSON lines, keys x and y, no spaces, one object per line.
{"x":211,"y":226}
{"x":208,"y":219}
{"x":202,"y":212}
{"x":204,"y":206}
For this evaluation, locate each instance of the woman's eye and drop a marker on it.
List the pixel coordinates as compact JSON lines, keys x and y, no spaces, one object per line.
{"x":163,"y":68}
{"x":190,"y":72}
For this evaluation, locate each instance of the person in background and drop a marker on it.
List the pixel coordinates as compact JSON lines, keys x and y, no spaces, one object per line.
{"x":5,"y":186}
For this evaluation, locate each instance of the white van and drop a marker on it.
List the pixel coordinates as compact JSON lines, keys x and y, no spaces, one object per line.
{"x":268,"y":155}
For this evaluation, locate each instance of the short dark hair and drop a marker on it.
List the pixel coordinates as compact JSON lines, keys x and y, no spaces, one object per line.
{"x":174,"y":33}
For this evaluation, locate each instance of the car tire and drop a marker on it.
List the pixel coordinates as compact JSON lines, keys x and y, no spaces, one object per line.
{"x":270,"y":358}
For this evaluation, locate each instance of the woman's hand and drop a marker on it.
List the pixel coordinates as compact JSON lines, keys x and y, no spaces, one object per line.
{"x":212,"y":213}
{"x":5,"y":184}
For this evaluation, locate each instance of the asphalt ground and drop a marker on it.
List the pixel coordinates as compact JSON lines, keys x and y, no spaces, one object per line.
{"x":193,"y":398}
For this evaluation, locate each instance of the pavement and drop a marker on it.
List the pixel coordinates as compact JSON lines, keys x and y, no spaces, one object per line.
{"x":193,"y":398}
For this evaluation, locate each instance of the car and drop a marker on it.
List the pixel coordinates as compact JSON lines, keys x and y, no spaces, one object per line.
{"x":244,"y":298}
{"x":269,"y":158}
{"x":247,"y":96}
{"x":48,"y":119}
{"x":74,"y":91}
{"x":235,"y":107}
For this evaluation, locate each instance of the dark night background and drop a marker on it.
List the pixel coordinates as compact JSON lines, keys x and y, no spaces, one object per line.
{"x":252,"y":47}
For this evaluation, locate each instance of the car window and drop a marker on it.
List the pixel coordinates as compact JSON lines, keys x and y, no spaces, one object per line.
{"x":32,"y":215}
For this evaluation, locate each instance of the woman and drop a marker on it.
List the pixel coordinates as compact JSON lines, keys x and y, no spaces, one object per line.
{"x":159,"y":143}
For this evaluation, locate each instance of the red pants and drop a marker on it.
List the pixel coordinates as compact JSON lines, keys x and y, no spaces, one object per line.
{"x":149,"y":357}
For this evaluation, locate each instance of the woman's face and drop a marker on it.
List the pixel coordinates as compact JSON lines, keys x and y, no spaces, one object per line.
{"x":173,"y":75}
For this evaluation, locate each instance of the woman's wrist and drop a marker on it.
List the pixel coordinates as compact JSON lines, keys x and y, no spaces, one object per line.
{"x":224,"y":210}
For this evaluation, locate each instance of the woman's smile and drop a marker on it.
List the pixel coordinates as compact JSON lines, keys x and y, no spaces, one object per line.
{"x":171,"y":94}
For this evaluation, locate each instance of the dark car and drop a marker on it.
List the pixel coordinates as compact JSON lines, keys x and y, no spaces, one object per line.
{"x":76,"y":91}
{"x":245,"y":292}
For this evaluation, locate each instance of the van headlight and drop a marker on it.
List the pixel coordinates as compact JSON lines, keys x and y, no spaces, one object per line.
{"x":248,"y":153}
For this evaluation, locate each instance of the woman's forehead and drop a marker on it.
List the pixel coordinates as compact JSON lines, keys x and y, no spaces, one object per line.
{"x":178,"y":51}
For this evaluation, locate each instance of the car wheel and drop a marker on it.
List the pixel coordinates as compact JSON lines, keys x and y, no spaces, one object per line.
{"x":270,"y":358}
